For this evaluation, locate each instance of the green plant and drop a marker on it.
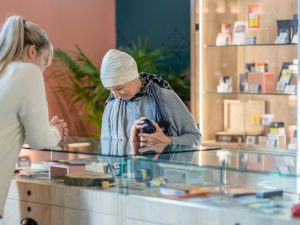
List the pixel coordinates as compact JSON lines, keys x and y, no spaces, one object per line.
{"x":155,"y":61}
{"x":180,"y":85}
{"x":147,"y":61}
{"x":80,"y":82}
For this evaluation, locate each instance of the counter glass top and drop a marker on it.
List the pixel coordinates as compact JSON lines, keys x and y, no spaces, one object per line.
{"x":119,"y":148}
{"x":272,"y":163}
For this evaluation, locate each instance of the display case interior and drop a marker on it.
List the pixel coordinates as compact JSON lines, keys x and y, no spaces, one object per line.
{"x":77,"y":177}
{"x":165,"y":166}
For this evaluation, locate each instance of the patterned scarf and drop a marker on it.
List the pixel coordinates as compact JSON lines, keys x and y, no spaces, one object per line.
{"x":146,"y":79}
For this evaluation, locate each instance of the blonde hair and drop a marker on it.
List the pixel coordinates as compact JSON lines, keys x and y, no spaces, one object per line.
{"x":15,"y":35}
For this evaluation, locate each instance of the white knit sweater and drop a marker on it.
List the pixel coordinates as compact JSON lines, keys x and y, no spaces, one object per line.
{"x":23,"y":116}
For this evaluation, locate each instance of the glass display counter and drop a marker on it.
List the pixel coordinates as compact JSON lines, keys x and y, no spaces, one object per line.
{"x":203,"y":178}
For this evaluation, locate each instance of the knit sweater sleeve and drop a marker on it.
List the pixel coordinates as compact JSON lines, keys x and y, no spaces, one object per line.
{"x":186,"y":129}
{"x":33,"y":111}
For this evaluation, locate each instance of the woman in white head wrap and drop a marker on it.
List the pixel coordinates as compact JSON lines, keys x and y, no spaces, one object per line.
{"x":137,"y":96}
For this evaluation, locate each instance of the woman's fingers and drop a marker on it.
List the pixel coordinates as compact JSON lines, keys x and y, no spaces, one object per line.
{"x":157,"y":127}
{"x":138,"y":122}
{"x":145,"y":149}
{"x":157,"y":136}
{"x":60,"y":121}
{"x":139,"y":126}
{"x":146,"y":137}
{"x":53,"y":120}
{"x":133,"y":134}
{"x":66,"y":131}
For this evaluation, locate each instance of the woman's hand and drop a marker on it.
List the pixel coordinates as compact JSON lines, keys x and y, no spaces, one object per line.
{"x":55,"y":120}
{"x":151,"y":146}
{"x":64,"y":131}
{"x":62,"y":127}
{"x":157,"y":136}
{"x":144,"y":147}
{"x":134,"y":131}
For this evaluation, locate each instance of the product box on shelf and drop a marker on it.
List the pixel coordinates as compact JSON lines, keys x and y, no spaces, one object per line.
{"x":266,"y":80}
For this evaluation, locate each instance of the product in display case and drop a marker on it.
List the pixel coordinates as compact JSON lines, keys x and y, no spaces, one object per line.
{"x":243,"y":82}
{"x":253,"y":17}
{"x":157,"y":182}
{"x":175,"y":174}
{"x":257,"y":78}
{"x":88,"y":179}
{"x":268,"y":193}
{"x":251,"y":140}
{"x":283,"y":38}
{"x":225,"y":37}
{"x":292,"y":136}
{"x":225,"y":84}
{"x":24,"y":161}
{"x":240,"y":191}
{"x":239,"y":32}
{"x":284,"y":80}
{"x":296,"y":210}
{"x":61,"y":169}
{"x":226,"y":137}
{"x":187,"y":192}
{"x":276,"y":135}
{"x":265,"y":80}
{"x":284,"y":31}
{"x":97,"y":167}
{"x":266,"y":119}
{"x":143,"y":175}
{"x":237,"y":112}
{"x":290,"y":89}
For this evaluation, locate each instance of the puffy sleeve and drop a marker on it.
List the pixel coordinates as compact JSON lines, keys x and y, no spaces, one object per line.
{"x":184,"y":125}
{"x":33,"y":112}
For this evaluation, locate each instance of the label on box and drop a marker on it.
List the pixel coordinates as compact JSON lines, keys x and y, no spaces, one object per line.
{"x":277,"y":124}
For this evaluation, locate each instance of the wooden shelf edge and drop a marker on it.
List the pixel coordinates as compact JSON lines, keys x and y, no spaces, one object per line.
{"x":244,"y":147}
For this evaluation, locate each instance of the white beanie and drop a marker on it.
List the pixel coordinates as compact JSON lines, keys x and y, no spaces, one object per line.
{"x":117,"y":68}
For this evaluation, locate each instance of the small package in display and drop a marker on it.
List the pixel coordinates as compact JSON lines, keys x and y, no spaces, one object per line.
{"x":143,"y":175}
{"x":284,"y":31}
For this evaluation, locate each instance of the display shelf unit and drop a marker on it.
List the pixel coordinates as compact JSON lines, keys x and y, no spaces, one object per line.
{"x":237,"y":146}
{"x":229,"y":60}
{"x":245,"y":93}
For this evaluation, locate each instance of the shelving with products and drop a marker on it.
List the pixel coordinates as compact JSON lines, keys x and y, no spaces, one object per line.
{"x":248,"y":73}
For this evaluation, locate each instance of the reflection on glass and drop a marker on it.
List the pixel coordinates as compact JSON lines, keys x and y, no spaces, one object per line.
{"x":243,"y":161}
{"x":119,"y":147}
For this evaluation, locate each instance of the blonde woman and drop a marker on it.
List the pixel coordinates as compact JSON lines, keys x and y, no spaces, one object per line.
{"x":25,"y":52}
